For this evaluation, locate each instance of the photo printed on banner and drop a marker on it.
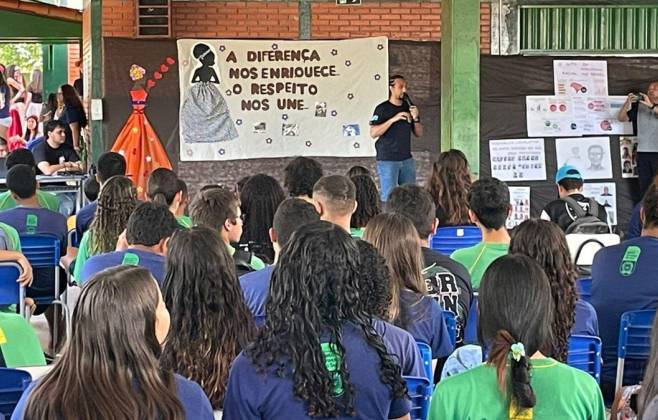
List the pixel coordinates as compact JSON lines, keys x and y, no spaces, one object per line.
{"x":520,"y":202}
{"x":606,"y":194}
{"x":590,"y":155}
{"x":628,"y":155}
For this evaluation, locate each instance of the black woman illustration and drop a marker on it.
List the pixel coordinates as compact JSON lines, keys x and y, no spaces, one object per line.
{"x":205,"y":117}
{"x":137,"y":141}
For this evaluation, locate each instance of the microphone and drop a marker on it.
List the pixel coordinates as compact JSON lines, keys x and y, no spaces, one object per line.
{"x":407,"y":100}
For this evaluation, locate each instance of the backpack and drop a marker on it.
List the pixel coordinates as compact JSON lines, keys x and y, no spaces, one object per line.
{"x":584,"y":221}
{"x":442,"y":286}
{"x":242,"y":261}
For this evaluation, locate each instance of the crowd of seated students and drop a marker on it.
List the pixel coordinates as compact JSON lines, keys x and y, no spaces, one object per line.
{"x":318,"y":309}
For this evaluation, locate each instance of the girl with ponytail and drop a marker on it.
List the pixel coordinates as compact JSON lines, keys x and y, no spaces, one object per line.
{"x":518,"y":381}
{"x":164,"y":187}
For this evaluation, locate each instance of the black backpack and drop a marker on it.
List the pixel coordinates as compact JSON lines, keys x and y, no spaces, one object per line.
{"x":242,"y":261}
{"x":584,"y":221}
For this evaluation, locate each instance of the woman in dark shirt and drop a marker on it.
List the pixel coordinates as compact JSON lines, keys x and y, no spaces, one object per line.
{"x":73,"y":116}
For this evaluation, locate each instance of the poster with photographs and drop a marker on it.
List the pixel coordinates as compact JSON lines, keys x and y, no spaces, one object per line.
{"x":520,"y":202}
{"x":590,"y":155}
{"x":248,"y":99}
{"x":628,"y":154}
{"x":518,"y":159}
{"x":606,"y":194}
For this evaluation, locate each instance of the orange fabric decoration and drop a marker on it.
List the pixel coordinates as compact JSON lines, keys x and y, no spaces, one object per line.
{"x":140,"y":145}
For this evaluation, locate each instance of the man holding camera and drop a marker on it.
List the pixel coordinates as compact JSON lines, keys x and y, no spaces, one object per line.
{"x":391,"y":126}
{"x":642,"y":110}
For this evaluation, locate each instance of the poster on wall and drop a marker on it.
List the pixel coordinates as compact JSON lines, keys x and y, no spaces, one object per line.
{"x":628,"y":155}
{"x":580,"y":77}
{"x":599,"y":115}
{"x":550,"y":116}
{"x":606,"y":194}
{"x":518,"y":159}
{"x":591,"y":155}
{"x":246,"y":99}
{"x":520,"y":202}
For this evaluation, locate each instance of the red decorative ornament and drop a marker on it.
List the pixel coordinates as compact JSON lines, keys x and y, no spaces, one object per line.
{"x":150,"y":83}
{"x":157,"y":75}
{"x":170,"y":60}
{"x":164,"y":68}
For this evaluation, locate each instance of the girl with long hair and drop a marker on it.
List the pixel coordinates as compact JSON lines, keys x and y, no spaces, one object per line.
{"x":368,"y":206}
{"x":116,"y":202}
{"x":449,"y":184}
{"x":109,"y":370}
{"x":259,"y":198}
{"x":317,"y":354}
{"x":648,"y":400}
{"x":545,"y":242}
{"x":518,"y":381}
{"x":35,"y":94}
{"x":49,"y":108}
{"x":211,"y":324}
{"x":396,"y":238}
{"x":164,"y":187}
{"x":31,"y":128}
{"x":73,"y":115}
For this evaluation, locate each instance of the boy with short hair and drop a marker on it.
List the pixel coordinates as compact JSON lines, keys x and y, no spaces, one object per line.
{"x":47,"y":200}
{"x":335,"y":199}
{"x":300,"y":175}
{"x":489,"y":203}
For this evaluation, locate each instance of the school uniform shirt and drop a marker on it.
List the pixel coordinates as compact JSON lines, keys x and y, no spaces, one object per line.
{"x":558,"y":211}
{"x":255,"y":288}
{"x":635,"y":225}
{"x":562,"y":392}
{"x":253,"y":395}
{"x":155,"y":263}
{"x":357,"y":232}
{"x":19,"y":344}
{"x":196,"y":405}
{"x":425,"y":322}
{"x":586,"y":322}
{"x":477,"y":259}
{"x":47,"y":200}
{"x":623,"y":279}
{"x":450,"y":285}
{"x":402,"y":346}
{"x":84,"y":218}
{"x":184,"y":222}
{"x":44,"y":153}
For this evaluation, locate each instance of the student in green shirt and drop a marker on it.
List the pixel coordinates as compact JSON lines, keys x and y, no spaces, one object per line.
{"x":517,"y":381}
{"x":116,"y":202}
{"x":489,"y":207}
{"x":334,"y":197}
{"x":369,"y":205}
{"x":46,"y":199}
{"x":166,"y":188}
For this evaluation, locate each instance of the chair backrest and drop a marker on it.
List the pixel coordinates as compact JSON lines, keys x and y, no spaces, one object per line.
{"x":450,"y":238}
{"x":73,"y":239}
{"x":584,"y":287}
{"x":426,"y":353}
{"x":42,"y":251}
{"x":10,"y":291}
{"x":634,"y":340}
{"x":585,"y":354}
{"x":420,"y":392}
{"x":12,"y":384}
{"x":471,"y":329}
{"x":581,"y":242}
{"x":451,"y":325}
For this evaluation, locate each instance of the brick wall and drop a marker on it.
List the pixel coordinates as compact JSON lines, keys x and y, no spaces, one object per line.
{"x":119,"y":18}
{"x":73,"y":58}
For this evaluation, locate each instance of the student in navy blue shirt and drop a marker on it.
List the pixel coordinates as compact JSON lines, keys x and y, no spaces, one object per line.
{"x":396,"y":239}
{"x":624,"y":279}
{"x":317,"y":354}
{"x":109,"y":165}
{"x":30,"y":218}
{"x":110,"y":369}
{"x":290,"y":215}
{"x":149,"y":228}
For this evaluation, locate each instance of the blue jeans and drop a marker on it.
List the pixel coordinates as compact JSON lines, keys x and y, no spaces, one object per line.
{"x":393,"y":173}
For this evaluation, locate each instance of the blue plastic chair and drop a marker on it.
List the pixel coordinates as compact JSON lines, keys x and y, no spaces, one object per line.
{"x":585,"y":354}
{"x":11,"y":293}
{"x":584,"y":287}
{"x":448,"y":239}
{"x":471,"y":329}
{"x":12,"y":384}
{"x":420,"y":393}
{"x":634,"y":341}
{"x":451,"y":324}
{"x":426,"y":353}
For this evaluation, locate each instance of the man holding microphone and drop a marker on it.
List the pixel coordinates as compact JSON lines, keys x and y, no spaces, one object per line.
{"x":642,"y":110}
{"x":391,"y":126}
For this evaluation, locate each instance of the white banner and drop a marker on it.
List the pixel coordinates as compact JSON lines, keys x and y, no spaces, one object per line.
{"x":518,"y":159}
{"x":580,"y":77}
{"x":244,"y":99}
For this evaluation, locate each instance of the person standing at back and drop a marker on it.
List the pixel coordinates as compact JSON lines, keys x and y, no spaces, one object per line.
{"x":391,"y":125}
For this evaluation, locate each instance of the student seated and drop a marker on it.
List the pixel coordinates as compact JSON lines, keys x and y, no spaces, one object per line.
{"x":298,"y":366}
{"x":54,"y":155}
{"x":518,"y":381}
{"x":149,"y":228}
{"x":109,"y":164}
{"x":448,"y":186}
{"x":164,"y":187}
{"x":411,"y":309}
{"x":300,"y":175}
{"x":369,"y":206}
{"x":47,"y":200}
{"x":110,"y":369}
{"x":290,"y":215}
{"x":624,"y":279}
{"x":447,"y":281}
{"x":210,"y":322}
{"x":335,"y":199}
{"x":116,"y":203}
{"x":489,"y":206}
{"x":545,"y":242}
{"x":219,"y":209}
{"x":562,"y":211}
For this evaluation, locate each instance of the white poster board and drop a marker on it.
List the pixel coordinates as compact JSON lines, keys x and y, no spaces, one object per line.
{"x":606,"y":194}
{"x":518,"y":159}
{"x":599,"y":115}
{"x":590,"y":155}
{"x":580,"y":77}
{"x":550,"y":116}
{"x":628,"y":156}
{"x":244,"y":99}
{"x":520,"y":202}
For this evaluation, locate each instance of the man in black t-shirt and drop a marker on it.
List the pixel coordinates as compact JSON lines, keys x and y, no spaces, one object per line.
{"x":54,"y":154}
{"x":391,"y":125}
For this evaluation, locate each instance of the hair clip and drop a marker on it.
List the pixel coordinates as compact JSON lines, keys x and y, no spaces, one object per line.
{"x":518,"y":351}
